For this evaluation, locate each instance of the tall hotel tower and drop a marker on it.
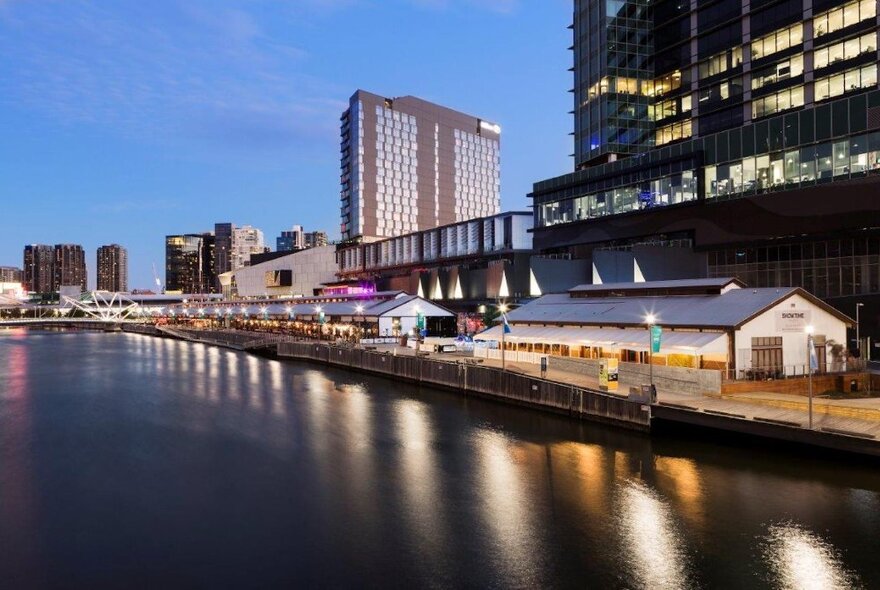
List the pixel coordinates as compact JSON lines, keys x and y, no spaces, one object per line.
{"x":410,"y":165}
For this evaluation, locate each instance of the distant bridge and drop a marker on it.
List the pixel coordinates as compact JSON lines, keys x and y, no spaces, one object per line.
{"x":97,"y":309}
{"x":62,"y":322}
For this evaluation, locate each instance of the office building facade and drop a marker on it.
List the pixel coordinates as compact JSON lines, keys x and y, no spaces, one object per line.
{"x":291,"y":240}
{"x":409,"y":165}
{"x":725,"y":139}
{"x":223,"y":233}
{"x":299,"y":239}
{"x":112,"y":265}
{"x":190,"y":263}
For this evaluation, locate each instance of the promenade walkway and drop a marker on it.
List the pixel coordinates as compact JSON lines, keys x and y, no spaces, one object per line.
{"x":857,"y":417}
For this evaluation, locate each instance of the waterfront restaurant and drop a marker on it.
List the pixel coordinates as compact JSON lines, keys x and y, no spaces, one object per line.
{"x":705,"y":324}
{"x":388,"y":314}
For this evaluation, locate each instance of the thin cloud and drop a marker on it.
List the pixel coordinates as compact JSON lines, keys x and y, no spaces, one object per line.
{"x":154,"y":74}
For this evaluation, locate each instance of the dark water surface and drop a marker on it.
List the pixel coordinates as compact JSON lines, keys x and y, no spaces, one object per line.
{"x":130,"y":461}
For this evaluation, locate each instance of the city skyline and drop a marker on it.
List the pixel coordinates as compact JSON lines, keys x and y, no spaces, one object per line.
{"x":262,"y":145}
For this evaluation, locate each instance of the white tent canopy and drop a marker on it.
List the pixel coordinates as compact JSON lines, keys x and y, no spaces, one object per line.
{"x":672,"y":342}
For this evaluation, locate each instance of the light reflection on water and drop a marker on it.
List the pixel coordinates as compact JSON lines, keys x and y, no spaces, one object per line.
{"x":419,"y":475}
{"x":506,"y":508}
{"x":427,"y":488}
{"x":801,"y":560}
{"x":653,"y":546}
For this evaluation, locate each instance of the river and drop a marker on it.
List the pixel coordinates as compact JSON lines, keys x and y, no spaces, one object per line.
{"x":132,"y":461}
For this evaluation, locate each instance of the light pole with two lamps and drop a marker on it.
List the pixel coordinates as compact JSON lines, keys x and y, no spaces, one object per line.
{"x":502,"y":308}
{"x":359,"y":312}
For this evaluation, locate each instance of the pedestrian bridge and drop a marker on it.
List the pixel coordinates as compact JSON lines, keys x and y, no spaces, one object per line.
{"x":97,"y":308}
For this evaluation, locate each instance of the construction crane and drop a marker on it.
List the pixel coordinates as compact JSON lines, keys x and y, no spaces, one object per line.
{"x":156,"y":278}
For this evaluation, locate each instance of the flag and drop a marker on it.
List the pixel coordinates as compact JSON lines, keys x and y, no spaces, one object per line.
{"x":814,"y":359}
{"x":506,"y":325}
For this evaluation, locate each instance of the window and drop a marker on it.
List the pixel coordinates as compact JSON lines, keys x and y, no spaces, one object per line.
{"x":780,"y":101}
{"x":844,"y":50}
{"x":783,"y":70}
{"x":721,"y":62}
{"x":844,"y":16}
{"x":855,"y":79}
{"x":673,"y":132}
{"x":663,"y":84}
{"x":777,"y":41}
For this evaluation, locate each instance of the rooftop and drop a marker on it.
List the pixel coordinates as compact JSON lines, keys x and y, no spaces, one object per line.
{"x":723,"y":310}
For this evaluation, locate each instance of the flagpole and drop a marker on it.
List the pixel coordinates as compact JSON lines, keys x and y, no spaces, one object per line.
{"x":503,"y":347}
{"x":810,"y":352}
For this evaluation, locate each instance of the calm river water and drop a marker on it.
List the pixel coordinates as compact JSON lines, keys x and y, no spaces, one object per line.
{"x":130,"y":461}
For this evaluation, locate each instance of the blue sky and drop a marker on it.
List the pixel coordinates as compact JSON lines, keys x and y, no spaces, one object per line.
{"x":124,"y":120}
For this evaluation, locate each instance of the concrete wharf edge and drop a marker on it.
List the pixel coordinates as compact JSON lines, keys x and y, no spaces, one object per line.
{"x":633,"y":417}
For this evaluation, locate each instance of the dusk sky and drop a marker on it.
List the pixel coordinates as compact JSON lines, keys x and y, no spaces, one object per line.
{"x":123,"y":121}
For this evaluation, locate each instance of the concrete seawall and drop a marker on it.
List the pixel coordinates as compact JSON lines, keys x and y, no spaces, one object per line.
{"x":580,"y":402}
{"x":474,"y":379}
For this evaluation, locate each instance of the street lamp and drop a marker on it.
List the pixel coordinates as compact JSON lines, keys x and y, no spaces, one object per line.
{"x":858,"y":339}
{"x":359,"y":311}
{"x":320,"y":313}
{"x":502,"y":308}
{"x":809,"y":332}
{"x":650,"y":320}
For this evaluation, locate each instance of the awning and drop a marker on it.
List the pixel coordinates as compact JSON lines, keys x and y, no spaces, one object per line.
{"x":678,"y":342}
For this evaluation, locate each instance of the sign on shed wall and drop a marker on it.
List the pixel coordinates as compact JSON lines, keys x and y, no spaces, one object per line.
{"x":793,"y":320}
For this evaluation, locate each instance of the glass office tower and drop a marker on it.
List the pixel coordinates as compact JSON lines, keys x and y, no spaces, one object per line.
{"x":757,"y":150}
{"x":190,"y":263}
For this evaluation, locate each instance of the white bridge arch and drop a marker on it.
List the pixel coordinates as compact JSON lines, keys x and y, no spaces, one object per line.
{"x":103,"y":306}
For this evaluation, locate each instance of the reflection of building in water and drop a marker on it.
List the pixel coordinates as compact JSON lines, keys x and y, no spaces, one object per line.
{"x":679,"y":479}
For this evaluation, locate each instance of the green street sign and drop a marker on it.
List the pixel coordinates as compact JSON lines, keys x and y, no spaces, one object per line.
{"x":656,"y":332}
{"x":321,"y":319}
{"x":420,"y":321}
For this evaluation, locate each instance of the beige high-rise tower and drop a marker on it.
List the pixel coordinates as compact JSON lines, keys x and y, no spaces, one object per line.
{"x":410,"y":165}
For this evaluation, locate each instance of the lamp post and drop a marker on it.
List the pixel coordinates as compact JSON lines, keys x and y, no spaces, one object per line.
{"x":502,"y":308}
{"x":809,"y":332}
{"x":320,"y":313}
{"x":359,"y":312}
{"x":858,"y":339}
{"x":650,"y":320}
